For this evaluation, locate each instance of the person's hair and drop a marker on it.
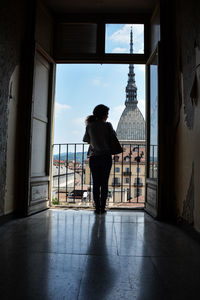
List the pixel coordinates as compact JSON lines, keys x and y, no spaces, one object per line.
{"x":99,"y":112}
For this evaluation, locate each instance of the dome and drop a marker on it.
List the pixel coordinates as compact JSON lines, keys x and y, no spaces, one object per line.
{"x":131,"y":126}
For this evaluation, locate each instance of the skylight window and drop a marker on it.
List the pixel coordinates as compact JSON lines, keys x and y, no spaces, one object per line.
{"x":118,"y":38}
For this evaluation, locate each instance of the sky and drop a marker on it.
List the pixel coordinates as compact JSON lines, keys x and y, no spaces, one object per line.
{"x":80,"y":87}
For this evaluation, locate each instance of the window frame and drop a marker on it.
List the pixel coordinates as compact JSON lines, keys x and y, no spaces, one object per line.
{"x":101,"y":56}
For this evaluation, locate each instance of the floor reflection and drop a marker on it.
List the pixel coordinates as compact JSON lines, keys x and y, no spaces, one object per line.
{"x":100,"y":275}
{"x":74,"y":255}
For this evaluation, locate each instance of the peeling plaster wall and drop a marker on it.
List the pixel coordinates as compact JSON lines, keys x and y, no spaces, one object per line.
{"x":11,"y":166}
{"x":187,"y":152}
{"x":12,"y":31}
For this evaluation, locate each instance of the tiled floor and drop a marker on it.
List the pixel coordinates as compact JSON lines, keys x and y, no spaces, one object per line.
{"x":66,"y":254}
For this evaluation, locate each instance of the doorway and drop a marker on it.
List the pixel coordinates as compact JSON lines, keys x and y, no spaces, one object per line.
{"x":79,"y":88}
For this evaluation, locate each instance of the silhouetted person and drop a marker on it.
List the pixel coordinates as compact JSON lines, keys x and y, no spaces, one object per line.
{"x":98,"y":135}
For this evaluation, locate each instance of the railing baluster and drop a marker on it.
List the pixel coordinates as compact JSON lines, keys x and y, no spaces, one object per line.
{"x":122,"y":174}
{"x":74,"y":172}
{"x":114,"y":181}
{"x":130,"y":163}
{"x":67,"y":172}
{"x":82,"y":170}
{"x":59,"y":174}
{"x":153,"y":163}
{"x":138,"y":154}
{"x":90,"y":174}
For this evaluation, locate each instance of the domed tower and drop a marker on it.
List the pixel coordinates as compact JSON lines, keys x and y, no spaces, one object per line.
{"x":131,"y":126}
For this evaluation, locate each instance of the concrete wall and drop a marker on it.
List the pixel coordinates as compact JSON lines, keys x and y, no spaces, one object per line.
{"x":187,"y":149}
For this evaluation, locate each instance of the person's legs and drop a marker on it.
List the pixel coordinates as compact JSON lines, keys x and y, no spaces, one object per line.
{"x":95,"y":170}
{"x":105,"y":172}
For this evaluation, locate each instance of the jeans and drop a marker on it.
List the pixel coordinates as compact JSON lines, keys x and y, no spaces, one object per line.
{"x":100,"y":167}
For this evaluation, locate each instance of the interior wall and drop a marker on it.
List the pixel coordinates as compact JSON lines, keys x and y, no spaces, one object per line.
{"x":12,"y":33}
{"x":187,"y":149}
{"x":11,"y":153}
{"x":18,"y":33}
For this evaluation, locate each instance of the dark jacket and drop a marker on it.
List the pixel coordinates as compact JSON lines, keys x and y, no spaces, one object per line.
{"x":98,"y":135}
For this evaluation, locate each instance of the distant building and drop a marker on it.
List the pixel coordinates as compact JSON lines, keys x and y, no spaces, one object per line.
{"x":127,"y":176}
{"x":131,"y":126}
{"x":128,"y":171}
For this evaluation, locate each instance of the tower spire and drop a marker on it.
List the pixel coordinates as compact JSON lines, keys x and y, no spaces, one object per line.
{"x":131,"y":88}
{"x":131,"y":41}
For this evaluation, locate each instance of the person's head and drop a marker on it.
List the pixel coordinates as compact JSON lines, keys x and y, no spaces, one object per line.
{"x":100,"y":112}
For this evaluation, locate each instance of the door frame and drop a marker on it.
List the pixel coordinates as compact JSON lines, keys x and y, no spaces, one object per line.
{"x":152,"y":197}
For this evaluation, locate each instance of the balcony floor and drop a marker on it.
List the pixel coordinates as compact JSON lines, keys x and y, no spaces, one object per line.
{"x":68,"y":254}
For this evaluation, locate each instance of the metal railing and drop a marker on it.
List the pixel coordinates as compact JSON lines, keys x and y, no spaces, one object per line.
{"x":72,"y":180}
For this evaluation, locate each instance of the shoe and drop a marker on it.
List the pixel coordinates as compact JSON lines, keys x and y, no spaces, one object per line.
{"x":97,"y":211}
{"x":103,"y":211}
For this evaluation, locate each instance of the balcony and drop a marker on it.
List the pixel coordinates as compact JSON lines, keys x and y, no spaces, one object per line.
{"x":117,"y":184}
{"x":72,"y":184}
{"x":139,"y":184}
{"x":127,"y":173}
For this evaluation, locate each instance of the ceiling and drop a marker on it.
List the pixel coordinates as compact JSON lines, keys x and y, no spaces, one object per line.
{"x":101,"y":6}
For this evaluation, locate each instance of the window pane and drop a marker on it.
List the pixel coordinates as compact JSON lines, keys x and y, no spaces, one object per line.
{"x":137,"y":192}
{"x":153,"y":118}
{"x":73,"y":38}
{"x":127,"y":180}
{"x":118,"y":38}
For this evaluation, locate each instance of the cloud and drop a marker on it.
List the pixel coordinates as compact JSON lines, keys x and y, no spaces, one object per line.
{"x":120,"y":50}
{"x":79,"y":121}
{"x":96,"y":81}
{"x":123,"y":35}
{"x":99,"y":82}
{"x":60,"y":108}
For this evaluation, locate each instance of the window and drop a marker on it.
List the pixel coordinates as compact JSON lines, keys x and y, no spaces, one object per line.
{"x":118,"y":38}
{"x":127,"y":170}
{"x":116,"y":180}
{"x":135,"y":149}
{"x":116,"y":158}
{"x":126,"y":158}
{"x":138,"y":180}
{"x":153,"y":113}
{"x":138,"y":170}
{"x":117,"y":169}
{"x":127,"y":180}
{"x":76,"y":38}
{"x":109,"y":194}
{"x":137,"y":193}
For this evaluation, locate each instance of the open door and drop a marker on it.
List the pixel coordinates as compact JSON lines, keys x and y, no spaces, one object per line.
{"x":41,"y":133}
{"x":152,"y":162}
